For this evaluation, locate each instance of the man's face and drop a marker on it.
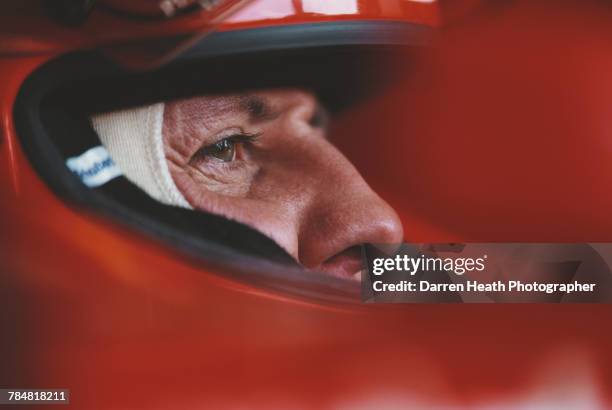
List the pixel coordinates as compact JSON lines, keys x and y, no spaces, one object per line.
{"x":263,"y":159}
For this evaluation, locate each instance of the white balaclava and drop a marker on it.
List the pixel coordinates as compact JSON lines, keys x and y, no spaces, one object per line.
{"x":133,"y":138}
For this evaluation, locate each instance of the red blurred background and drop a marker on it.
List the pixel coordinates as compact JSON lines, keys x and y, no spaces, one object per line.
{"x":499,"y":133}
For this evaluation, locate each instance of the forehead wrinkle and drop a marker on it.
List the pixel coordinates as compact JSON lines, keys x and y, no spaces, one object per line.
{"x":203,"y":111}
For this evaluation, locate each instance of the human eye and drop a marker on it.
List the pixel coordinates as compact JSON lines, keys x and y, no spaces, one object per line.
{"x":227,"y":149}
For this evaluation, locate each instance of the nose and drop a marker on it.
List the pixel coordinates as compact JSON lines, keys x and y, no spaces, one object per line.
{"x":332,"y":208}
{"x":343,"y":212}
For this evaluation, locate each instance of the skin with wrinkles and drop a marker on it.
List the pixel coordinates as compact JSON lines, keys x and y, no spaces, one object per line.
{"x":284,"y":179}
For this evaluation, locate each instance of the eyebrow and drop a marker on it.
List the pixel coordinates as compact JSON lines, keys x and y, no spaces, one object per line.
{"x":258,"y":108}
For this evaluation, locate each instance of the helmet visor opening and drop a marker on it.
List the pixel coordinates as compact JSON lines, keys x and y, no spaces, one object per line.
{"x":58,"y":112}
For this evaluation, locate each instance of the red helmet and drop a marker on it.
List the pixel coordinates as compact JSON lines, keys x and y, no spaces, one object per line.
{"x":128,"y":303}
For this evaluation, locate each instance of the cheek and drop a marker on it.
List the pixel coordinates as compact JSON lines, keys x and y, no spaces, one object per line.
{"x":242,"y":199}
{"x":222,"y":179}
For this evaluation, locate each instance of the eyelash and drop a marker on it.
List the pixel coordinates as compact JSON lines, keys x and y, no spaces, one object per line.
{"x":205,"y":152}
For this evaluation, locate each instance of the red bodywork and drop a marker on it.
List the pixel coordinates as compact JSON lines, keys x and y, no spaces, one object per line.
{"x":125,"y":322}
